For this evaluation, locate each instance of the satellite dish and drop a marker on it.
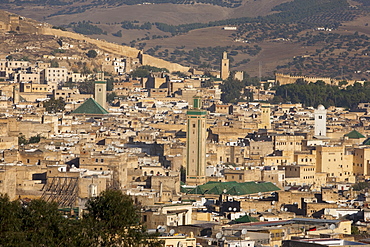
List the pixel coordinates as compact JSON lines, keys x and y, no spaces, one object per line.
{"x":244,"y":231}
{"x":172,"y":231}
{"x":366,"y":194}
{"x":285,"y":209}
{"x":219,"y":235}
{"x":159,"y":227}
{"x":179,"y":244}
{"x":332,"y":227}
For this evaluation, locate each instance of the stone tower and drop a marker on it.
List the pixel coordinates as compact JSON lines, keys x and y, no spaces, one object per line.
{"x":101,"y":93}
{"x":320,"y":121}
{"x":196,"y":144}
{"x":265,"y":116}
{"x":224,"y":66}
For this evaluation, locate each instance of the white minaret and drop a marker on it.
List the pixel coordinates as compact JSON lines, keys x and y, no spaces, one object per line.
{"x":320,"y":121}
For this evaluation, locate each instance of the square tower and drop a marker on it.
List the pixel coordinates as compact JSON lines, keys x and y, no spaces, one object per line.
{"x":101,"y":93}
{"x":196,"y":144}
{"x":320,"y":121}
{"x":265,"y":117}
{"x":225,"y":66}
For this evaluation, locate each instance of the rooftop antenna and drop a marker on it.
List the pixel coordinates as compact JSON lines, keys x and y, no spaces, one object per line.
{"x":259,"y":76}
{"x":260,"y":70}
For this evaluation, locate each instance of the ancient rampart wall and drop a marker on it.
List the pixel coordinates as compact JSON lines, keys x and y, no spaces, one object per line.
{"x":117,"y":49}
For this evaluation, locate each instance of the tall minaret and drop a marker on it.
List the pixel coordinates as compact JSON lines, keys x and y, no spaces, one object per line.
{"x":101,"y":93}
{"x":265,"y":116}
{"x":320,"y":121}
{"x":196,"y":144}
{"x":224,"y":66}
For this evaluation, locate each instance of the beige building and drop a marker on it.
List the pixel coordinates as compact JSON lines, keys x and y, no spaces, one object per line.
{"x":33,"y":77}
{"x":333,"y":161}
{"x":361,"y":162}
{"x":55,"y":75}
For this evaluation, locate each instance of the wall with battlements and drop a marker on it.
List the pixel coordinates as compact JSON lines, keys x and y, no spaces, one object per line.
{"x":284,"y":79}
{"x":117,"y":49}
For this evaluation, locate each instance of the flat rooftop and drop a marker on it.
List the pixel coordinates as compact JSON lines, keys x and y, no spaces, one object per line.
{"x":331,"y":242}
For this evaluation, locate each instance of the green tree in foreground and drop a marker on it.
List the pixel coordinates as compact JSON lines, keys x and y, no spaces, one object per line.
{"x":37,"y":223}
{"x":111,"y":219}
{"x":114,"y":220}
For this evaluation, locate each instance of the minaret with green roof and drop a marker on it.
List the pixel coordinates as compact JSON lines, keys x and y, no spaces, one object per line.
{"x":196,"y":144}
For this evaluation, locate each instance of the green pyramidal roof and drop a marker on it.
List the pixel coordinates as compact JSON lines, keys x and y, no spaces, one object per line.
{"x":246,"y":219}
{"x":90,"y":106}
{"x":366,"y":142}
{"x":233,"y":188}
{"x":354,"y":134}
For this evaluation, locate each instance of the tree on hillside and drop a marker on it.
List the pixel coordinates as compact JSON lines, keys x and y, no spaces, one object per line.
{"x":54,"y":105}
{"x":140,"y":73}
{"x":92,"y":54}
{"x":86,"y":87}
{"x":231,"y":90}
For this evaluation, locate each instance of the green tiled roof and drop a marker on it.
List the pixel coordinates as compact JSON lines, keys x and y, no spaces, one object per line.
{"x":366,"y":142}
{"x":234,"y":188}
{"x":354,"y":134}
{"x":90,"y":106}
{"x":246,"y":219}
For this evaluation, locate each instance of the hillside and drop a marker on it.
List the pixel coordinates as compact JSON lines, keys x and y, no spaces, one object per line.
{"x":311,"y":37}
{"x":26,"y":39}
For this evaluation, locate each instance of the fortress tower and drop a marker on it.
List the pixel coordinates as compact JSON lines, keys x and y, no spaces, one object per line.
{"x":196,"y":144}
{"x":320,"y":121}
{"x":101,"y":93}
{"x":224,"y":66}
